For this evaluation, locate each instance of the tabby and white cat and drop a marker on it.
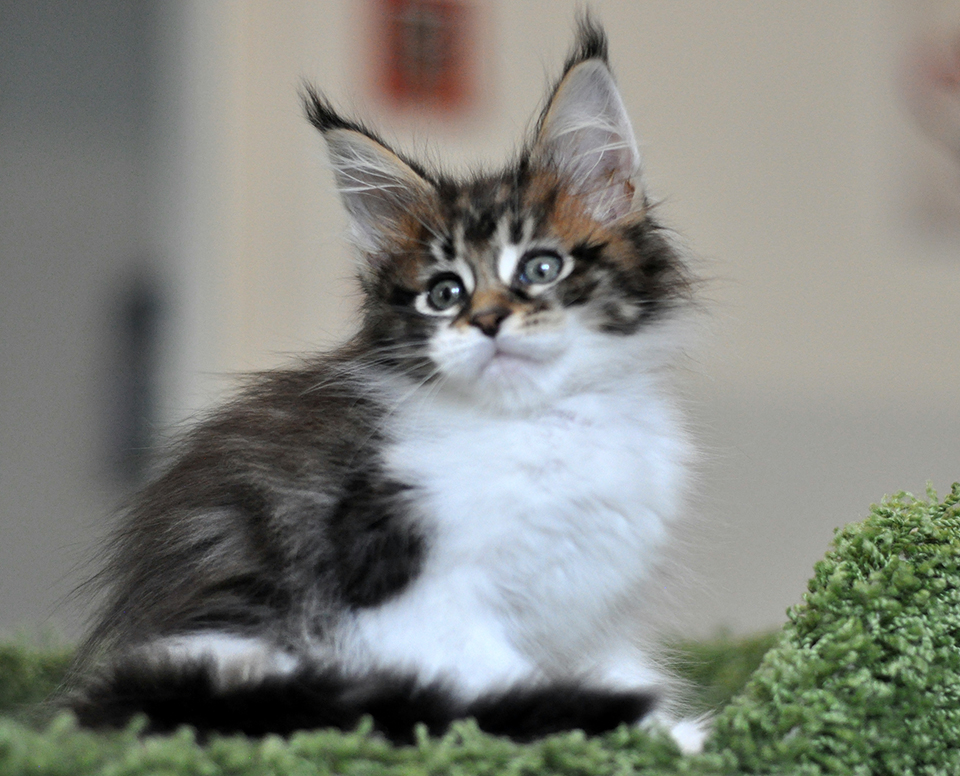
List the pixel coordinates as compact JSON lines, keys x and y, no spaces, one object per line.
{"x":452,"y":515}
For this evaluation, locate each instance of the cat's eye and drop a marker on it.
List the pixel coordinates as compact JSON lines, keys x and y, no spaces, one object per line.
{"x":540,"y":267}
{"x":445,"y":293}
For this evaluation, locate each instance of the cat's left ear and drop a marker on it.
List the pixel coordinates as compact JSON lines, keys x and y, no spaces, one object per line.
{"x":585,"y":133}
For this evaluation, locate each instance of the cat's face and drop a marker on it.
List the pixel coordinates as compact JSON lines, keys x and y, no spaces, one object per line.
{"x":511,"y":292}
{"x":516,"y":288}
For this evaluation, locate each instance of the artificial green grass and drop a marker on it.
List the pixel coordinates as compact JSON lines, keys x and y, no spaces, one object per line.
{"x":866,"y":677}
{"x":29,"y":674}
{"x":863,"y":679}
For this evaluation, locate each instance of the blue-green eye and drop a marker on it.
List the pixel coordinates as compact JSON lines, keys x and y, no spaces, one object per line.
{"x":539,"y":267}
{"x":445,"y":292}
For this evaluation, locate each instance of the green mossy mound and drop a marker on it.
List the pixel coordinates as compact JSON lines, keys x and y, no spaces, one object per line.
{"x":866,"y":677}
{"x":863,"y":679}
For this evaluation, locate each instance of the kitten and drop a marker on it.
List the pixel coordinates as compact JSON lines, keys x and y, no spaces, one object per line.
{"x":454,"y":513}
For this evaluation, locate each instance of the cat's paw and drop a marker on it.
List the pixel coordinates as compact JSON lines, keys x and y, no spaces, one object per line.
{"x":689,"y":733}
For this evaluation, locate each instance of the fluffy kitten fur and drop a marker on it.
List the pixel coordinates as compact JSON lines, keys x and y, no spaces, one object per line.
{"x":453,"y":514}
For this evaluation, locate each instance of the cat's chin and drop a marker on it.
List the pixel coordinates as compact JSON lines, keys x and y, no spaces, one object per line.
{"x":504,"y":367}
{"x":506,"y":383}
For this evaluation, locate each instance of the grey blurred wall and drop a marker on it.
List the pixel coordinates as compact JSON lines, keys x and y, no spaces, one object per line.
{"x":75,"y":114}
{"x":167,"y":137}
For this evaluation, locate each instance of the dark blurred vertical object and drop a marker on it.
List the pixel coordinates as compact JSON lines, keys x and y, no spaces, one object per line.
{"x":425,"y":53}
{"x":133,"y":376}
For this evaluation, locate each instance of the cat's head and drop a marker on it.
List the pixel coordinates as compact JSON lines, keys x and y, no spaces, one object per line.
{"x":519,"y":287}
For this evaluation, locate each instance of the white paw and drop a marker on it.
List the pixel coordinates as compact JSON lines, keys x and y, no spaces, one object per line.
{"x":689,"y":733}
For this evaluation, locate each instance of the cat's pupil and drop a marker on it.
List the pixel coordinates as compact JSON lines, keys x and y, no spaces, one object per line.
{"x":541,"y":268}
{"x":445,"y":293}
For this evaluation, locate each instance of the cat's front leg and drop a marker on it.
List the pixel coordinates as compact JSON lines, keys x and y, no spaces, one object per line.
{"x":441,"y":630}
{"x":628,"y":668}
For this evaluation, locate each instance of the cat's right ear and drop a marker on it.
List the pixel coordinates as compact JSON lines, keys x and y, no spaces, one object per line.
{"x":585,"y":133}
{"x":377,"y":187}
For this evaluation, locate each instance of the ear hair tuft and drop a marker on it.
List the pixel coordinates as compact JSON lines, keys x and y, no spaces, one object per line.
{"x":321,"y":113}
{"x":324,"y":117}
{"x":590,"y":43}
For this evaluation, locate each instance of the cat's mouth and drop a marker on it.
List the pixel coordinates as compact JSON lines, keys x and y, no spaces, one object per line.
{"x":512,"y":356}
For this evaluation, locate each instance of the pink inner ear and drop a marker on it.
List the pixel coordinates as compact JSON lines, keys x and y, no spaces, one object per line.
{"x":609,"y":197}
{"x":622,"y":205}
{"x":586,"y":133}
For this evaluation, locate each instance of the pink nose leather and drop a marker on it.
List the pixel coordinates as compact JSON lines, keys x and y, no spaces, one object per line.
{"x":489,"y":319}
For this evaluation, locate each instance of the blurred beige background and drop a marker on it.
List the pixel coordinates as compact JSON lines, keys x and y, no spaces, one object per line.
{"x":164,"y":140}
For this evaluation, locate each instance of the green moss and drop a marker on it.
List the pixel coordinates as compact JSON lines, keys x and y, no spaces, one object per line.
{"x":866,"y":677}
{"x":62,"y":749}
{"x":717,"y":669}
{"x":29,"y":674}
{"x":863,"y":679}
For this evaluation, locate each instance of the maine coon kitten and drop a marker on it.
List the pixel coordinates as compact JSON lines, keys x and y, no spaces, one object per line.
{"x":453,"y":514}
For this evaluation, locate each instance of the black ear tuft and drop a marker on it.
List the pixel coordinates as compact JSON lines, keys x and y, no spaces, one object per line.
{"x":590,"y":43}
{"x":323,"y":116}
{"x":321,"y":113}
{"x":378,"y":186}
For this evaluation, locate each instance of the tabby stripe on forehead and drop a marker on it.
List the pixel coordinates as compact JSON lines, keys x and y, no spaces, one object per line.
{"x":442,"y":250}
{"x":516,"y":230}
{"x":587,"y":252}
{"x":459,"y":246}
{"x":480,"y":226}
{"x":541,"y":211}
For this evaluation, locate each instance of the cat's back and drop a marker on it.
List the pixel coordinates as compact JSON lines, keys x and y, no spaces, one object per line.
{"x":235,"y":527}
{"x":284,"y":429}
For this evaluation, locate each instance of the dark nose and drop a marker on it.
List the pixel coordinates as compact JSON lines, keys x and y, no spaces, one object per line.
{"x":488,"y":319}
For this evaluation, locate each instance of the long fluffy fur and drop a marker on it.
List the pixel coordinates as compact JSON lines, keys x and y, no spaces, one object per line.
{"x":452,"y":514}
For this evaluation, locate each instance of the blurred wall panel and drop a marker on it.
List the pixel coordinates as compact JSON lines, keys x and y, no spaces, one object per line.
{"x":74,"y":131}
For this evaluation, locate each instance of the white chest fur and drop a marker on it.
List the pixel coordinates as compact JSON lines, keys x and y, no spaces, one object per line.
{"x":539,"y":529}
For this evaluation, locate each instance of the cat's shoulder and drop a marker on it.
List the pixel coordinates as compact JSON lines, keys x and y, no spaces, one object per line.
{"x":284,"y":424}
{"x":325,"y":393}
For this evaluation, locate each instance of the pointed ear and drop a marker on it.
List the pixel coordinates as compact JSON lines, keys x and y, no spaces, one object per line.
{"x":377,"y":187}
{"x":585,"y":133}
